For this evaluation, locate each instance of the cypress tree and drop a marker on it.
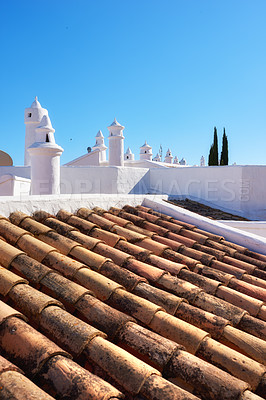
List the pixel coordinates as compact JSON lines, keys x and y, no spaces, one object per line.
{"x":224,"y":153}
{"x":213,"y":155}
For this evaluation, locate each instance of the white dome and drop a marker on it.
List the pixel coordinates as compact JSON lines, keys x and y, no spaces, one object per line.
{"x":36,"y":103}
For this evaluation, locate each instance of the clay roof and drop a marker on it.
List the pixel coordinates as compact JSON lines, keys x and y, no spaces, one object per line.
{"x":206,"y":211}
{"x":128,"y":303}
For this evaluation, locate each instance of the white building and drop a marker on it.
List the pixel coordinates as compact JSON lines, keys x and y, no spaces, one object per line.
{"x":232,"y":188}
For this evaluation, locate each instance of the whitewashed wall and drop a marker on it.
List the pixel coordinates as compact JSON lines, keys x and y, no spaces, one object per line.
{"x":104,"y":180}
{"x":236,"y":189}
{"x":256,"y":227}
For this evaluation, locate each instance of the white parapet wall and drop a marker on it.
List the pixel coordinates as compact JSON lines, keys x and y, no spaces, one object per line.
{"x":104,"y":180}
{"x":251,"y":241}
{"x":235,"y":189}
{"x":68,"y":202}
{"x":256,"y":227}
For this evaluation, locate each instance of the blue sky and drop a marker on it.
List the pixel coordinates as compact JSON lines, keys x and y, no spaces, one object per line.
{"x":168,"y":70}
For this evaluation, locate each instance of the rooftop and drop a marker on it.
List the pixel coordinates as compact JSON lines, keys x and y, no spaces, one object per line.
{"x":128,"y":302}
{"x":206,"y":211}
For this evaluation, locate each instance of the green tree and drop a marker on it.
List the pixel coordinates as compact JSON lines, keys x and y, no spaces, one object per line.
{"x":224,"y":153}
{"x":213,"y":155}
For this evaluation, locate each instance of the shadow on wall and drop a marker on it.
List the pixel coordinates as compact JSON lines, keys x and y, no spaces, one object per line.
{"x":143,"y":185}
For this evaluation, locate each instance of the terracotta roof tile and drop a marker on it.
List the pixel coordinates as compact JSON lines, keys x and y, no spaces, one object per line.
{"x":12,"y":232}
{"x":31,"y":302}
{"x":8,"y":253}
{"x":179,"y":287}
{"x":214,"y":252}
{"x":6,"y":365}
{"x":134,"y":306}
{"x":181,"y":239}
{"x":64,"y":265}
{"x":180,"y":258}
{"x":197,"y":255}
{"x":240,"y":264}
{"x":167,"y":265}
{"x":128,"y":234}
{"x":120,"y":365}
{"x":234,"y":246}
{"x":72,"y":333}
{"x":61,"y":243}
{"x":210,"y":323}
{"x":155,"y":385}
{"x":194,"y":236}
{"x":100,"y":221}
{"x":114,"y":254}
{"x":72,"y":381}
{"x":245,"y":369}
{"x":219,"y":307}
{"x":247,"y":343}
{"x":147,"y":271}
{"x":100,"y":285}
{"x":177,"y":330}
{"x":228,"y":291}
{"x":86,"y":241}
{"x":221,"y":247}
{"x":15,"y":386}
{"x":209,"y":285}
{"x":167,"y":301}
{"x":117,"y":220}
{"x":102,"y":316}
{"x":108,"y":237}
{"x":260,"y":274}
{"x":8,"y":281}
{"x":173,"y":244}
{"x":249,"y":289}
{"x":227,"y":268}
{"x":214,"y":274}
{"x":27,"y":243}
{"x":6,"y":312}
{"x":254,"y":280}
{"x":142,"y":231}
{"x":88,"y":257}
{"x":132,"y":249}
{"x":154,"y":247}
{"x":25,"y":346}
{"x":63,"y":288}
{"x":252,"y":325}
{"x":240,"y":300}
{"x":83,"y":225}
{"x":148,"y":217}
{"x":255,"y":255}
{"x":175,"y":228}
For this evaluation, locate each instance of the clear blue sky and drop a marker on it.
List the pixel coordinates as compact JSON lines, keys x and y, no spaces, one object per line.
{"x":169,"y":70}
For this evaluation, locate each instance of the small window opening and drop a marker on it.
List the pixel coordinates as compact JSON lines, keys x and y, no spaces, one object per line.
{"x":127,"y":157}
{"x":111,"y":134}
{"x":145,"y":151}
{"x":47,"y":138}
{"x":29,"y":115}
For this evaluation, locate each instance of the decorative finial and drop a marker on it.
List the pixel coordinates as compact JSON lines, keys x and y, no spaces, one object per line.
{"x":115,"y":120}
{"x":36,"y":98}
